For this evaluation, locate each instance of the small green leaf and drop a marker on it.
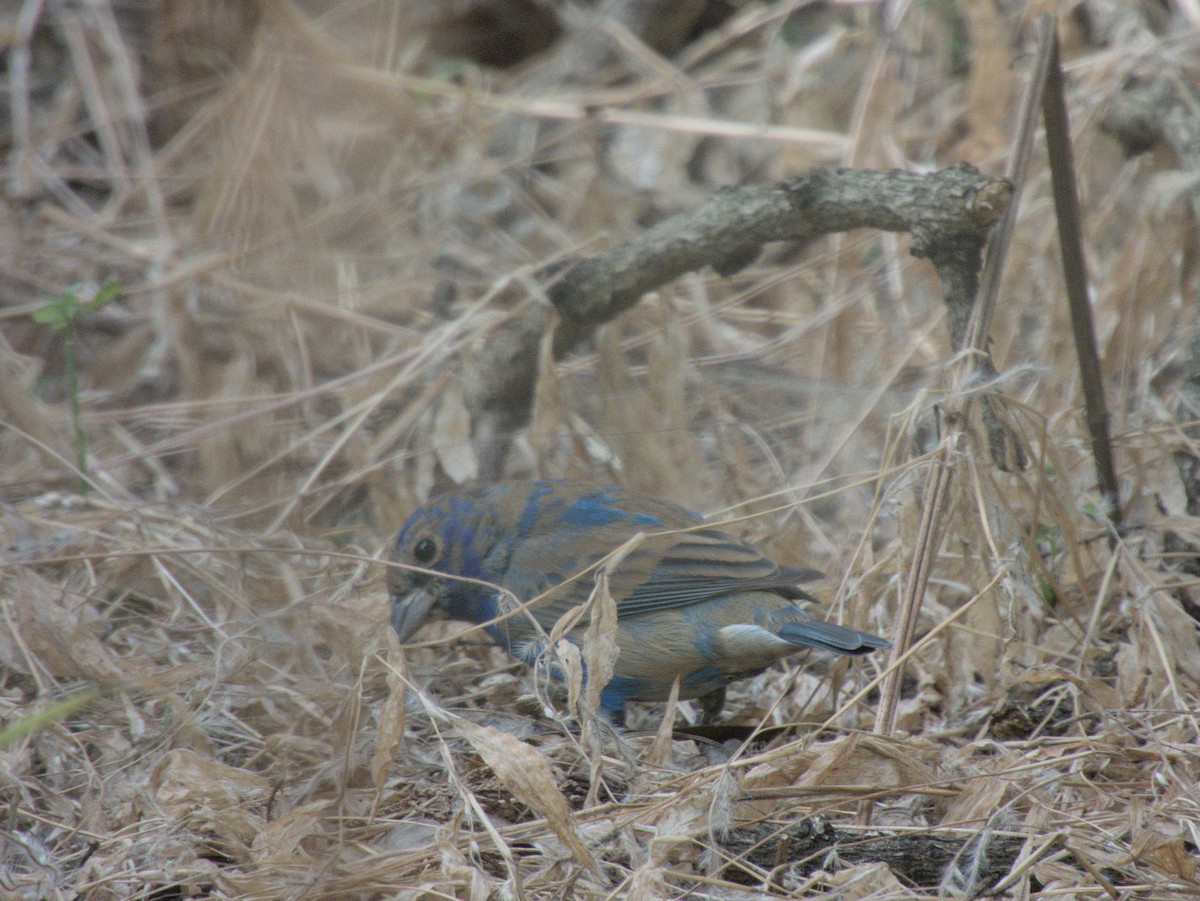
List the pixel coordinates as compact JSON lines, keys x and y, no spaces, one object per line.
{"x":59,"y":312}
{"x":62,"y":312}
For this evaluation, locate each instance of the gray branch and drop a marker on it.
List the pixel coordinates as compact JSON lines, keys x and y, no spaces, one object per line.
{"x":948,"y":213}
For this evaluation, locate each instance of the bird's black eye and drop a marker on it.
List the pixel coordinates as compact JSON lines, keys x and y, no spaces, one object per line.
{"x":425,"y":550}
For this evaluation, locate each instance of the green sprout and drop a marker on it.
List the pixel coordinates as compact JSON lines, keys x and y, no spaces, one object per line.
{"x":63,"y":314}
{"x":50,"y":715}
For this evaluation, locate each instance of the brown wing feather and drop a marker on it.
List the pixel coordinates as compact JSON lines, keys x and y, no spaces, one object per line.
{"x":666,"y":570}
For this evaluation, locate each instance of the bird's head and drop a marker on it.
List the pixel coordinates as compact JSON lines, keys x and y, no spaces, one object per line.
{"x":440,"y":556}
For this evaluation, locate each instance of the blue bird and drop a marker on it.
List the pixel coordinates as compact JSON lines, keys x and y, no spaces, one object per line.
{"x":693,"y":602}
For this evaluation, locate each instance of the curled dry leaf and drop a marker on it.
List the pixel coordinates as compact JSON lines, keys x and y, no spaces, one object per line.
{"x":218,"y":801}
{"x":36,"y":624}
{"x":283,"y":838}
{"x":392,"y":716}
{"x":526,"y":773}
{"x":1168,"y":852}
{"x":600,"y":643}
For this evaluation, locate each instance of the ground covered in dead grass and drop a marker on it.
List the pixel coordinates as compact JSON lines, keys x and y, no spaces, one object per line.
{"x":317,"y":215}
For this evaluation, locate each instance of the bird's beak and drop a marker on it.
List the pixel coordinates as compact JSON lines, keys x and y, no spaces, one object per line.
{"x":409,"y":611}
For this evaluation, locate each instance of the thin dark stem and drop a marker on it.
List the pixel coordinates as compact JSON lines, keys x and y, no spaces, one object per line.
{"x":1018,"y":166}
{"x":1070,"y":238}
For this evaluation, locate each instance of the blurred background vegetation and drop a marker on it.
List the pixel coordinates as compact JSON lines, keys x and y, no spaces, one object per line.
{"x":318,"y":213}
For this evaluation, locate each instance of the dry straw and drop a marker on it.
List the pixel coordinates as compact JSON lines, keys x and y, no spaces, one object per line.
{"x":321,"y":223}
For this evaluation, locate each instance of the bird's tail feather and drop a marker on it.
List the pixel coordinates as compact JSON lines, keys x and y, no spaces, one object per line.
{"x":816,"y":633}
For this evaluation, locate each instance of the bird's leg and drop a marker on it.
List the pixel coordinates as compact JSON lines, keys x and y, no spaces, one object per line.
{"x":710,"y":705}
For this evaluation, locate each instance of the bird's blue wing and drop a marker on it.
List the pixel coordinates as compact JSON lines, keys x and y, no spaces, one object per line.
{"x":567,"y":530}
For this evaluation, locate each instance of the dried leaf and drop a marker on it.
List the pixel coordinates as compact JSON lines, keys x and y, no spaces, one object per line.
{"x":1167,"y":852}
{"x":283,"y":838}
{"x":570,"y":660}
{"x":600,"y":647}
{"x":217,"y":802}
{"x":452,"y":437}
{"x":184,"y":780}
{"x":38,"y":632}
{"x":527,"y":774}
{"x":392,"y":716}
{"x":1177,"y":632}
{"x":870,"y":761}
{"x":660,"y":750}
{"x":979,"y":799}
